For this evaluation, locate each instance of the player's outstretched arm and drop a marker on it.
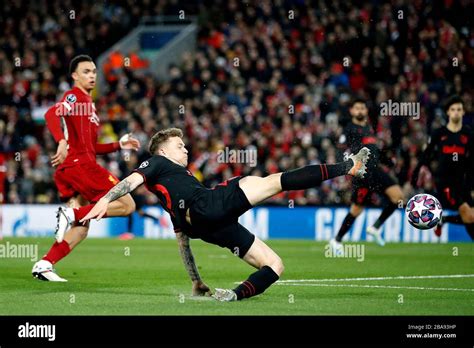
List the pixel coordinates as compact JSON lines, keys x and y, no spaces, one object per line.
{"x":126,"y":142}
{"x":199,"y":288}
{"x":125,"y":186}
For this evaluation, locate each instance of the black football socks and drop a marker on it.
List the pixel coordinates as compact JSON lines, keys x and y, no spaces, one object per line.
{"x":345,"y":227}
{"x":386,"y":212}
{"x":310,"y":176}
{"x":256,"y":283}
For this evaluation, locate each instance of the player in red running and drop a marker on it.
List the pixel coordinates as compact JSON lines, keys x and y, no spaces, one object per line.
{"x":78,"y":177}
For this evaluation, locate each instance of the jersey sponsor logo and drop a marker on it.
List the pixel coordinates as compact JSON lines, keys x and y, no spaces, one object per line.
{"x":71,"y":98}
{"x":144,"y":164}
{"x":454,"y":149}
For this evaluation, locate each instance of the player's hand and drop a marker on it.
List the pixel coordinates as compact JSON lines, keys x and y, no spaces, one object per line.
{"x":127,"y":142}
{"x":98,"y":211}
{"x":201,"y":289}
{"x":61,"y":153}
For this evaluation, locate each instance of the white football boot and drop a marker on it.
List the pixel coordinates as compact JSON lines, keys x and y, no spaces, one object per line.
{"x":43,"y":270}
{"x":65,"y":219}
{"x":225,"y":295}
{"x":377,"y":234}
{"x":359,"y":169}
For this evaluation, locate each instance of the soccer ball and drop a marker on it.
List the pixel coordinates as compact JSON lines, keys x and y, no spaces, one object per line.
{"x":423,"y":211}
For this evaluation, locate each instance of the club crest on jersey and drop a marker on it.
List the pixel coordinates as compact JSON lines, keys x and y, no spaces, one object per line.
{"x":144,"y":164}
{"x":464,"y":139}
{"x":71,"y":98}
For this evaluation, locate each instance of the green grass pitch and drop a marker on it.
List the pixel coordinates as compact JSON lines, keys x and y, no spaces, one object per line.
{"x":146,"y":277}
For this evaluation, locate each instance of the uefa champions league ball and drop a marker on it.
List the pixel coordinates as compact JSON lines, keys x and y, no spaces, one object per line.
{"x":423,"y":211}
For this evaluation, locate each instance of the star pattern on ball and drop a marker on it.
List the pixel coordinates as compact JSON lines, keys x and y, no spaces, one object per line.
{"x":419,"y":207}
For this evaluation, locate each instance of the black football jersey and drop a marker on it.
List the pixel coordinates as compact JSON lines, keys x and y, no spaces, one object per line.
{"x":452,"y":151}
{"x":174,"y":185}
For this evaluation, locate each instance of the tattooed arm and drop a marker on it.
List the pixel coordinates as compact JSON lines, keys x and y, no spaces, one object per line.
{"x":125,"y":186}
{"x":199,"y":288}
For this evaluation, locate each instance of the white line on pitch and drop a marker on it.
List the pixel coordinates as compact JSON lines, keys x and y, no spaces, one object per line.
{"x":377,"y":286}
{"x":377,"y":278}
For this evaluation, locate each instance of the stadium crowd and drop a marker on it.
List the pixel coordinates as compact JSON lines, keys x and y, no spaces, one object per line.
{"x":273,"y":77}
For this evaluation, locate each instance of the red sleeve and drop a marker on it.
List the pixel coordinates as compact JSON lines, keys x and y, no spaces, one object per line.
{"x":53,"y":122}
{"x":102,"y":149}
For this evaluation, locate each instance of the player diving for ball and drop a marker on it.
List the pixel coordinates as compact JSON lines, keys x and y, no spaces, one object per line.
{"x":211,"y":214}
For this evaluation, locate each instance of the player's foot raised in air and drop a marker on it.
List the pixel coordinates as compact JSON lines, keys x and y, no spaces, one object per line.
{"x":225,"y":295}
{"x":377,"y":234}
{"x":359,"y":169}
{"x":43,"y":270}
{"x":337,"y":247}
{"x":65,"y":218}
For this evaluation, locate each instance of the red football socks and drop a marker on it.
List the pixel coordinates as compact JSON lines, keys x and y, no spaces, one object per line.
{"x":79,"y":213}
{"x":57,"y":252}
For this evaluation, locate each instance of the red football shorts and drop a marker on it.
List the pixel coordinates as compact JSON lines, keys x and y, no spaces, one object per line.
{"x":89,"y":180}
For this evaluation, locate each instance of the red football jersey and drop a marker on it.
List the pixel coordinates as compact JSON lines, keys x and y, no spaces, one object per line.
{"x":74,"y":119}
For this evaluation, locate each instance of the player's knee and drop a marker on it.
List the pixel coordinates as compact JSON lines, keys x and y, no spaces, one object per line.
{"x":467,"y":217}
{"x":277,"y":265}
{"x":129,"y":206}
{"x":356,"y":210}
{"x":397,"y":199}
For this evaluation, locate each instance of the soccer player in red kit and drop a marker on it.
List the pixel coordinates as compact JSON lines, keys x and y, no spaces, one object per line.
{"x":74,"y":124}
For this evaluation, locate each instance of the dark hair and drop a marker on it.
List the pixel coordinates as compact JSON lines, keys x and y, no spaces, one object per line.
{"x":162,"y":136}
{"x":357,"y":100}
{"x":76,"y":60}
{"x":454,"y":99}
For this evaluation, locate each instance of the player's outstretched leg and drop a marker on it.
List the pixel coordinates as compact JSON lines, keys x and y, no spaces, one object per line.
{"x":67,"y":216}
{"x":270,"y":267}
{"x":258,"y":189}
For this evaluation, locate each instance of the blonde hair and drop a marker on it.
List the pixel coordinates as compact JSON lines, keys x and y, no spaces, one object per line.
{"x":162,"y":136}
